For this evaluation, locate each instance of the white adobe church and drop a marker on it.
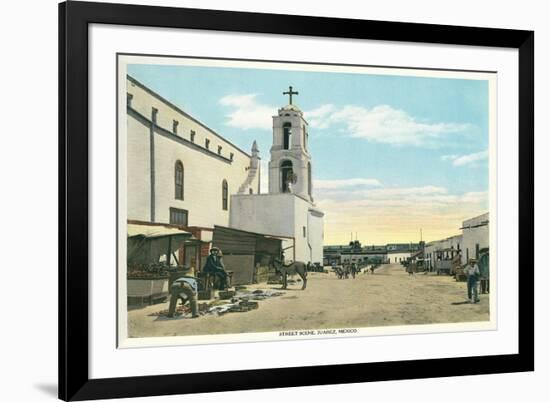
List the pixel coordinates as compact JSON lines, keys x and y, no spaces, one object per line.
{"x":181,"y":172}
{"x":288,"y":208}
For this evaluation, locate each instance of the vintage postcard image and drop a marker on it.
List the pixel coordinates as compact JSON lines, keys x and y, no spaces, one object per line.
{"x":271,"y":200}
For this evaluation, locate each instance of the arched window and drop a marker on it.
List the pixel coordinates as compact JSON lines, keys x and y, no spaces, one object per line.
{"x":287,"y":135}
{"x":224,"y":195}
{"x":304,"y":132}
{"x":178,"y":179}
{"x":286,"y":176}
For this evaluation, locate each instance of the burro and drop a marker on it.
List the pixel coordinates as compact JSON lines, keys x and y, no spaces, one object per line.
{"x":297,"y":267}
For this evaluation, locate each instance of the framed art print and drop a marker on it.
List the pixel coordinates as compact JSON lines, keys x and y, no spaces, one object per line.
{"x":243,"y":191}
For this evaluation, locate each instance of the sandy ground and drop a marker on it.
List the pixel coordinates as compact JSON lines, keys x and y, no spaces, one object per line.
{"x":389,"y":297}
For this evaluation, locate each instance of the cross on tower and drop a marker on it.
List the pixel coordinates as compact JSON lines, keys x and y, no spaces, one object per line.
{"x":290,"y":93}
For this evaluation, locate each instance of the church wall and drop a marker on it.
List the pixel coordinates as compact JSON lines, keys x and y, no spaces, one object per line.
{"x":265,"y":213}
{"x":138,"y":180}
{"x":202,"y":192}
{"x":316,"y":237}
{"x":203,"y":177}
{"x":301,"y":221}
{"x":309,"y":242}
{"x":281,"y":215}
{"x":203,"y":171}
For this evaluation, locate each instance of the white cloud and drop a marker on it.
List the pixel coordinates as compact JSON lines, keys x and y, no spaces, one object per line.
{"x":475,"y":196}
{"x":403,"y":192}
{"x":385,"y":124}
{"x":379,"y":195}
{"x":470,"y":159}
{"x":320,"y":117}
{"x":345,"y":183}
{"x":247,"y":112}
{"x":381,"y":123}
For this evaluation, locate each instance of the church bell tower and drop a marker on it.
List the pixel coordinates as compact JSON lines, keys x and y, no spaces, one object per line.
{"x":290,"y":164}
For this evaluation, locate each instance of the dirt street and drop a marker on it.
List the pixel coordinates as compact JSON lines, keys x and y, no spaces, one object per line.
{"x":389,"y":297}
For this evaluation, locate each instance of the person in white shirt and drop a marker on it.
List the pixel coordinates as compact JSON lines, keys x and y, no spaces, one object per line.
{"x":472,"y":276}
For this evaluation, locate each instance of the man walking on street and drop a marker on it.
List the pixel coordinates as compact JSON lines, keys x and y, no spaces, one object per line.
{"x":472,"y":276}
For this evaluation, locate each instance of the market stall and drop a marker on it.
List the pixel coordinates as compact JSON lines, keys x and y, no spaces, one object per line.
{"x":153,"y":252}
{"x":247,"y":254}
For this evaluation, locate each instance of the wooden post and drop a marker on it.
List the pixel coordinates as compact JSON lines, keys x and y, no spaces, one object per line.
{"x":169,"y":251}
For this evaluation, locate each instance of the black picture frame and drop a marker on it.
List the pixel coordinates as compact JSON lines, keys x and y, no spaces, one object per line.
{"x":74,"y":19}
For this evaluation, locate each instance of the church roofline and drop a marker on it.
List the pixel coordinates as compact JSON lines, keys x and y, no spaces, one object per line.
{"x":179,"y":110}
{"x":162,"y":131}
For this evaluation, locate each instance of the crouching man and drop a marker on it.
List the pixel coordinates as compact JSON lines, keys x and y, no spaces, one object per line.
{"x":184,"y":288}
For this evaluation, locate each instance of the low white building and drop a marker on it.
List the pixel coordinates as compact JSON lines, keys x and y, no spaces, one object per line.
{"x":399,"y":252}
{"x":397,"y":257}
{"x":288,"y":209}
{"x":475,"y":233}
{"x":444,"y":249}
{"x":474,"y":237}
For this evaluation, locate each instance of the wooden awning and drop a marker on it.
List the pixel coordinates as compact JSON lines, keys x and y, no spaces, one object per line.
{"x":240,"y":242}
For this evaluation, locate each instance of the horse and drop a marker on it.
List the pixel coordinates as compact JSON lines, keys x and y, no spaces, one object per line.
{"x":296,"y":267}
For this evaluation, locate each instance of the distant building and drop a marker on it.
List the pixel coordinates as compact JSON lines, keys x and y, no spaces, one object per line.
{"x":332,"y":254}
{"x":475,"y":234}
{"x":354,"y":252}
{"x":399,"y":252}
{"x":442,"y":250}
{"x":474,"y":238}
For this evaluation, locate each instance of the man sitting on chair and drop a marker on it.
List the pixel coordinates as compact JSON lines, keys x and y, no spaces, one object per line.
{"x":214,"y":266}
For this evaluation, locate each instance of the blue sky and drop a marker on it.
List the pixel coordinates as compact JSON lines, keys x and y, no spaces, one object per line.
{"x":392,"y":149}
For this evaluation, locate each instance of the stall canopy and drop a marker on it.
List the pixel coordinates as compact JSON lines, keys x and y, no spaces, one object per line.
{"x":147,"y":243}
{"x":244,"y":250}
{"x":234,"y":241}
